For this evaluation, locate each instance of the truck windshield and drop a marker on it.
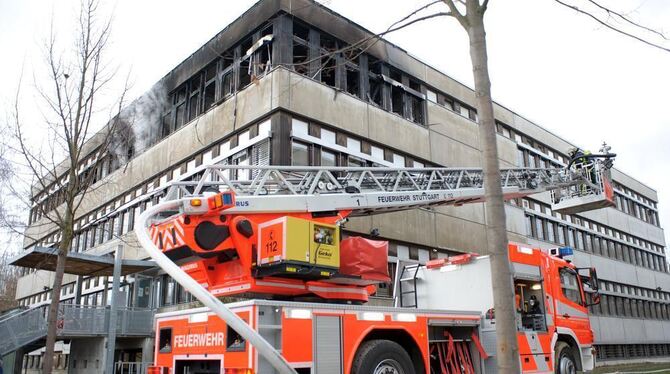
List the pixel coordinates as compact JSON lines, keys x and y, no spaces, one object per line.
{"x":570,"y":285}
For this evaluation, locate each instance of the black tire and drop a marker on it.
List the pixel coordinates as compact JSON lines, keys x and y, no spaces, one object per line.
{"x":382,"y":357}
{"x":565,"y":360}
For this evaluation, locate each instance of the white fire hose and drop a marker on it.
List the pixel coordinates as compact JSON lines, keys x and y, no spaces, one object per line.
{"x":233,"y":320}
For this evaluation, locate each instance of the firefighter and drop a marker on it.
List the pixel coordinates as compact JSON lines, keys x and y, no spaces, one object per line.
{"x":534,"y":305}
{"x":583,"y":164}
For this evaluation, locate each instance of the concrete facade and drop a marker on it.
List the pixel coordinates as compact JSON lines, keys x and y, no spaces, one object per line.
{"x":431,"y":121}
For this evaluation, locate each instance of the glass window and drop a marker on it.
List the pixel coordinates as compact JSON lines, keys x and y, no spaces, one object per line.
{"x":570,"y":285}
{"x":539,"y":227}
{"x":431,"y":96}
{"x":328,"y":158}
{"x":355,"y":161}
{"x":329,"y":137}
{"x":398,"y":160}
{"x":580,"y":239}
{"x":550,"y":232}
{"x":299,"y":154}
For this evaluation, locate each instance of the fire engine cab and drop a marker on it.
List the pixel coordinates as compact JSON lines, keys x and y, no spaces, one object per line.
{"x":551,"y":298}
{"x":274,"y":240}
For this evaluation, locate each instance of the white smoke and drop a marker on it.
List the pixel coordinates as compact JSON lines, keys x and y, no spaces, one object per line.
{"x":147,"y":113}
{"x":139,"y":125}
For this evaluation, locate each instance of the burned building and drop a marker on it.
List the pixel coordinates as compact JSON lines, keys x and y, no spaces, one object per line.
{"x":293,"y":83}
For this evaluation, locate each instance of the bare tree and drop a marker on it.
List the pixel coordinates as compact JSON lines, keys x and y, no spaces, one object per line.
{"x":70,"y":104}
{"x":9,"y":274}
{"x":8,"y":279}
{"x":470,"y":15}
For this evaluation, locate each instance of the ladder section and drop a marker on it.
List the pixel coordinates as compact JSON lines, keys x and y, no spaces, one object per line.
{"x":407,"y":292}
{"x":360,"y":189}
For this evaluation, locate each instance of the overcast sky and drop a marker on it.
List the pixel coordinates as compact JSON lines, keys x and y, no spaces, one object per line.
{"x":547,"y":63}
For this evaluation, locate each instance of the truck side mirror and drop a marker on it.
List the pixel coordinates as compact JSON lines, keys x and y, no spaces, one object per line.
{"x":590,"y":285}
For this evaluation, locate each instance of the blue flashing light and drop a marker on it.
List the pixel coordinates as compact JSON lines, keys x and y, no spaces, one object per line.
{"x":227,"y":199}
{"x":565,"y":251}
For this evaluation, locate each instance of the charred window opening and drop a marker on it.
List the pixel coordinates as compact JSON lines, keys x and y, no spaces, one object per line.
{"x":416,"y":110}
{"x":180,"y":107}
{"x":194,"y":97}
{"x":396,"y":75}
{"x":300,"y":31}
{"x":415,"y":105}
{"x":375,"y":93}
{"x":210,"y":96}
{"x":301,"y":48}
{"x":329,"y":60}
{"x":210,"y":86}
{"x":328,"y":66}
{"x":262,"y":62}
{"x":166,"y":127}
{"x":352,"y":80}
{"x":245,"y":72}
{"x":227,"y":60}
{"x":352,"y":70}
{"x":227,"y":82}
{"x":416,"y":86}
{"x":397,"y":94}
{"x":260,"y":54}
{"x":300,"y":58}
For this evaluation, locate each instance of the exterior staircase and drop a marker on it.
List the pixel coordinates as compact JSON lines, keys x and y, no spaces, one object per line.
{"x":26,"y":327}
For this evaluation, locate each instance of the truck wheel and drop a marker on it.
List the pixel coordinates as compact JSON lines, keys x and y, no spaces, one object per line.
{"x":382,"y":357}
{"x":565,"y":362}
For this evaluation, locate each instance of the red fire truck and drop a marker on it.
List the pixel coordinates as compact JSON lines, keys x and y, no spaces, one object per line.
{"x":275,"y":239}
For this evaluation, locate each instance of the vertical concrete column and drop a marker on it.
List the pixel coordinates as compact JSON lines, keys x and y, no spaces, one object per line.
{"x":282,"y":45}
{"x":386,"y":90}
{"x":111,"y":332}
{"x":314,"y":44}
{"x":363,"y":77}
{"x":77,"y":289}
{"x":105,"y":284}
{"x":340,"y":71}
{"x":280,"y":123}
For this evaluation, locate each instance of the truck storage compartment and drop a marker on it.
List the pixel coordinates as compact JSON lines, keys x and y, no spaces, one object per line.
{"x":455,"y":349}
{"x":364,"y":261}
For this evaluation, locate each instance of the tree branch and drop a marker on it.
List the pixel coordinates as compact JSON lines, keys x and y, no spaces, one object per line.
{"x":628,"y":20}
{"x":456,"y":13}
{"x":651,"y":44}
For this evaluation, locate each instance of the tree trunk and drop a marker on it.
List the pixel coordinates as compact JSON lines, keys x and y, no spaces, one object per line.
{"x":52,"y":317}
{"x":503,"y":288}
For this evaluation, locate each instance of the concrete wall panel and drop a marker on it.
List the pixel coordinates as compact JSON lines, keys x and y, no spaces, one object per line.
{"x":412,"y":226}
{"x":450,"y":124}
{"x":460,"y":234}
{"x":448,"y":152}
{"x":395,"y":131}
{"x":325,"y":104}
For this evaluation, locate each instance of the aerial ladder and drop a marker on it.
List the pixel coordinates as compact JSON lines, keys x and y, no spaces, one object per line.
{"x":275,"y":230}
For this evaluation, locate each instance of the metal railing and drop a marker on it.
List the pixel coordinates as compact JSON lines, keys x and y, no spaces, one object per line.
{"x":131,"y":367}
{"x":77,"y":320}
{"x":20,"y":329}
